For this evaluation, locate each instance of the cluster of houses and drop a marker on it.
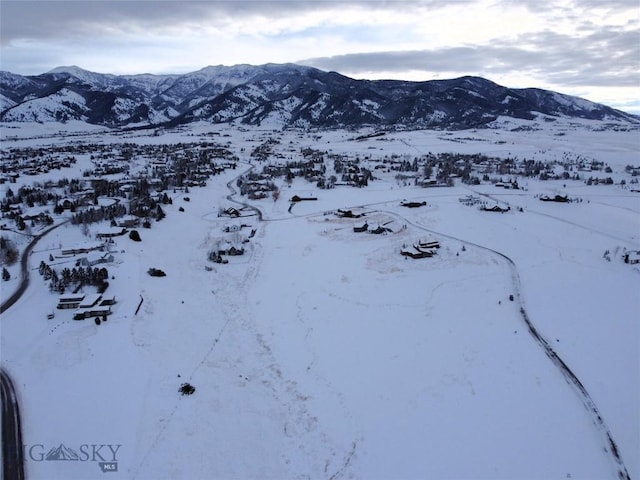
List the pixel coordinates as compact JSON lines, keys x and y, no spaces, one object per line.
{"x":231,"y":250}
{"x":258,"y":189}
{"x":347,"y":171}
{"x":227,"y":249}
{"x":89,"y":255}
{"x":259,"y":185}
{"x":363,"y":228}
{"x":380,"y":229}
{"x":86,"y":305}
{"x":351,"y":172}
{"x":27,"y":162}
{"x":311,"y":167}
{"x":513,"y":185}
{"x":111,"y":166}
{"x":167,"y":166}
{"x":264,"y":151}
{"x":431,"y":170}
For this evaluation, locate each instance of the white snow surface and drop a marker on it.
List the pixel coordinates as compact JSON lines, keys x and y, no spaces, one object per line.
{"x":44,"y":109}
{"x":325,"y":354}
{"x":570,"y":101}
{"x":6,"y":102}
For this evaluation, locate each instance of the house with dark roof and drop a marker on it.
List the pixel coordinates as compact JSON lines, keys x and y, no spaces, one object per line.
{"x":632,"y":257}
{"x":556,"y":198}
{"x":413,"y":204}
{"x":111,"y":232}
{"x":495,"y":208}
{"x":417,"y":254}
{"x":380,"y":229}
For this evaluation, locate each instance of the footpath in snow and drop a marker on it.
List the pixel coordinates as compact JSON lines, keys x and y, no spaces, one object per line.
{"x":322,"y":352}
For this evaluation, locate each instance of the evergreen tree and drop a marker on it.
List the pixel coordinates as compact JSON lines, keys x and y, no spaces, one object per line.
{"x":159,"y":213}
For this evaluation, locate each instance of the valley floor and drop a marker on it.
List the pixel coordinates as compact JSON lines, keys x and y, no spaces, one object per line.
{"x":324,"y":353}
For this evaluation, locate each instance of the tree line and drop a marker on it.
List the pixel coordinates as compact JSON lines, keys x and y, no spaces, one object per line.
{"x":77,"y":276}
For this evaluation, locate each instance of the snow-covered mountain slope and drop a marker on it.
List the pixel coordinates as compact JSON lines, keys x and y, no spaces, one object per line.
{"x":6,"y":102}
{"x":301,"y":96}
{"x":59,"y":106}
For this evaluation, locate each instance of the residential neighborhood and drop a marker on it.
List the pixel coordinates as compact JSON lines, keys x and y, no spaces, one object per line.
{"x":267,"y":268}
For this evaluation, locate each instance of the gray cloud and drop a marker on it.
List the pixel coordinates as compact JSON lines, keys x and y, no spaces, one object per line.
{"x":49,"y":19}
{"x":575,"y":5}
{"x":579,"y":12}
{"x":37,"y":35}
{"x":608,"y":57}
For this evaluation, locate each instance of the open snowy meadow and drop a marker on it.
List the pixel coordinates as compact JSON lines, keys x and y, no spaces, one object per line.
{"x":324,"y":353}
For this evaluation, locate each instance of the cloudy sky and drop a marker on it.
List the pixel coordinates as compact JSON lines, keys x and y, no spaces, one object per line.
{"x":589,"y":48}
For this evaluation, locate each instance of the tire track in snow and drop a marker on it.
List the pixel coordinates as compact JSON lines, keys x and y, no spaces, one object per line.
{"x":349,"y":456}
{"x":167,"y":421}
{"x":619,"y":207}
{"x":588,"y":229}
{"x":283,"y":390}
{"x":553,"y":217}
{"x":610,"y":446}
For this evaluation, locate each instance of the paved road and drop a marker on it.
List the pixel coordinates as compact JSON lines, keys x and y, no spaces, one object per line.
{"x":24,"y":266}
{"x":234,"y":192}
{"x":12,"y":453}
{"x":609,"y":446}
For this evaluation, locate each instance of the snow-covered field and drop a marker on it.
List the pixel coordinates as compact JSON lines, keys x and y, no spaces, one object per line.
{"x":323,"y":353}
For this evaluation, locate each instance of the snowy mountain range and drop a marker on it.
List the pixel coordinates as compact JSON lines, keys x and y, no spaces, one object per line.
{"x":281,"y":95}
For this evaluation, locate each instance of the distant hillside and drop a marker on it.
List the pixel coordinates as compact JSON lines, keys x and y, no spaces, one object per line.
{"x":279,"y":95}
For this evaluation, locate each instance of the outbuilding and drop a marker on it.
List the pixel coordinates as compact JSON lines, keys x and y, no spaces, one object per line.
{"x":632,"y":257}
{"x":70,"y":300}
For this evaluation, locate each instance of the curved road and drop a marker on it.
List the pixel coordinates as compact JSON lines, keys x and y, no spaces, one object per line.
{"x":24,"y":267}
{"x":12,"y":452}
{"x":609,"y":444}
{"x":234,"y":193}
